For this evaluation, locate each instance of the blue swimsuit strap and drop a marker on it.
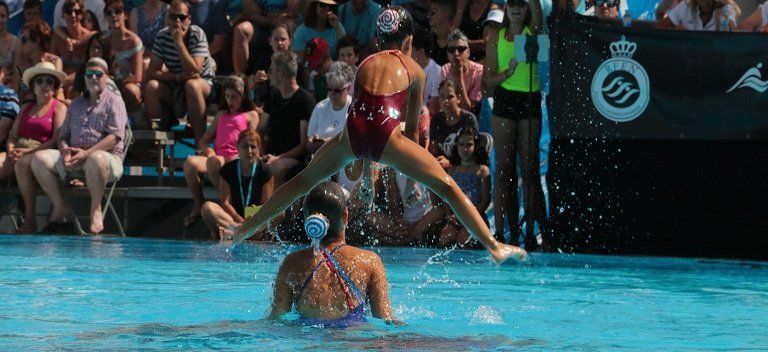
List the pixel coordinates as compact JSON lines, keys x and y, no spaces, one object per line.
{"x":346,"y":278}
{"x":312,"y":274}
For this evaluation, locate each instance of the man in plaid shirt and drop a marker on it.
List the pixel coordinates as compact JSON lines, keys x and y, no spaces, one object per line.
{"x":90,"y":146}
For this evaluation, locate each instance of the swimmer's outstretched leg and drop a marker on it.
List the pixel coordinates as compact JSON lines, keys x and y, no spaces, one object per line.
{"x":332,"y":156}
{"x":416,"y":163}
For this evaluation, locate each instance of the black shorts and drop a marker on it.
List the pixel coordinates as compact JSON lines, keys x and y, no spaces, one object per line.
{"x":513,"y":105}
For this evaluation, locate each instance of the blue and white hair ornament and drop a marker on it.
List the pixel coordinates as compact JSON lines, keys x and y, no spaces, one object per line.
{"x":316,"y":226}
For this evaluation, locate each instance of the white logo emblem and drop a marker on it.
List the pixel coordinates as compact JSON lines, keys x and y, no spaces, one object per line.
{"x":751,"y":79}
{"x":620,"y":87}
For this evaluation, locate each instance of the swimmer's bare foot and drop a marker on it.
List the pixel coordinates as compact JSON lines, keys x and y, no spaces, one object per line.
{"x":505,"y":251}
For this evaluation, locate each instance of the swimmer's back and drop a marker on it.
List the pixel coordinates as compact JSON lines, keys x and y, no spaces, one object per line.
{"x":388,"y":72}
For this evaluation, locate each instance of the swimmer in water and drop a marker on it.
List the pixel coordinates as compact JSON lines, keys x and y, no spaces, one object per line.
{"x":330,"y":284}
{"x":389,"y":88}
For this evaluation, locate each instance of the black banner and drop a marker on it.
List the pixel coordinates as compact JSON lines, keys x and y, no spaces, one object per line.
{"x":614,"y":82}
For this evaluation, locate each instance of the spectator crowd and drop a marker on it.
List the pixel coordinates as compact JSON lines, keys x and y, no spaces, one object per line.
{"x":277,"y":77}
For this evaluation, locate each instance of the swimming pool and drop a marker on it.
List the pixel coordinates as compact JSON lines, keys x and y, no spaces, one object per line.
{"x":60,"y":292}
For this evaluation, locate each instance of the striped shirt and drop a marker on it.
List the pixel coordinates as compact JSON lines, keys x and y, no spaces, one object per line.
{"x":9,"y":103}
{"x":86,"y":126}
{"x":197,"y":45}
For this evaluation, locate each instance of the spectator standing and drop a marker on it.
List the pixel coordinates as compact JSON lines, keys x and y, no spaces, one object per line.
{"x":245,"y":183}
{"x":147,"y":20}
{"x":470,"y":16}
{"x":702,"y":15}
{"x":359,"y":18}
{"x":516,"y":117}
{"x":319,"y":60}
{"x":466,"y":74}
{"x":470,"y":171}
{"x":321,"y":21}
{"x":446,"y":123}
{"x":36,"y":128}
{"x":8,"y":41}
{"x":129,"y":55}
{"x":285,"y":118}
{"x":183,"y":48}
{"x":91,"y":145}
{"x":330,"y":115}
{"x":237,"y":115}
{"x":757,"y":21}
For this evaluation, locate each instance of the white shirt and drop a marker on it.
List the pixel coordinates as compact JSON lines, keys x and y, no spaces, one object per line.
{"x":95,"y":6}
{"x":326,"y":122}
{"x":764,"y":14}
{"x":682,"y":16}
{"x":422,"y":207}
{"x":432,"y":71}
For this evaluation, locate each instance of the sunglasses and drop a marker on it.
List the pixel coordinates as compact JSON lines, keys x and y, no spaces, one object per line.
{"x":93,"y":74}
{"x":24,"y":39}
{"x":337,"y":90}
{"x":39,"y":81}
{"x":607,"y":3}
{"x":72,"y":11}
{"x":115,"y":12}
{"x":456,"y":49}
{"x":178,"y":17}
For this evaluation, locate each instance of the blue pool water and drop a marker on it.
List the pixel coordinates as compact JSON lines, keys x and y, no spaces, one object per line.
{"x":74,"y":293}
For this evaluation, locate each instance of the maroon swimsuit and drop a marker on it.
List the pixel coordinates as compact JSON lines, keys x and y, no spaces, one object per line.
{"x":371,"y":117}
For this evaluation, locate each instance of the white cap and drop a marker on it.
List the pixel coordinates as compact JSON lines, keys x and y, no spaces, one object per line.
{"x":494,"y":15}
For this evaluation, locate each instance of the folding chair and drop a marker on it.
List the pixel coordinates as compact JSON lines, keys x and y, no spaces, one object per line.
{"x":128,"y":140}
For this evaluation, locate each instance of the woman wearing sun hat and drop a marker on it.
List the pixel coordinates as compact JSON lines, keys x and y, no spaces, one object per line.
{"x":36,"y":128}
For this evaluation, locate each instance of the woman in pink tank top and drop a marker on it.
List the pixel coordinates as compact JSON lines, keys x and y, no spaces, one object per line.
{"x":238,"y":114}
{"x":389,"y":90}
{"x":35,"y":128}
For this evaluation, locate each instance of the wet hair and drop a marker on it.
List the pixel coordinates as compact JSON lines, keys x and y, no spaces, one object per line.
{"x":481,"y":155}
{"x":310,"y":20}
{"x":393,"y":25}
{"x":349,"y":41}
{"x":340,"y":74}
{"x":286,"y":62}
{"x":326,"y":199}
{"x":236,"y":83}
{"x":422,"y":40}
{"x":39,"y":32}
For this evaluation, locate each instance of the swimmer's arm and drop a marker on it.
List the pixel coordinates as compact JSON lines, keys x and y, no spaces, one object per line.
{"x":378,"y":291}
{"x":281,"y":303}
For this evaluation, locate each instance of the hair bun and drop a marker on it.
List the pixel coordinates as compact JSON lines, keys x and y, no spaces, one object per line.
{"x":316,"y":226}
{"x":388,"y":21}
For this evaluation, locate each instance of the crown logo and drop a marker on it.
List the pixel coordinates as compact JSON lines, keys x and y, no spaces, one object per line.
{"x":623,"y":48}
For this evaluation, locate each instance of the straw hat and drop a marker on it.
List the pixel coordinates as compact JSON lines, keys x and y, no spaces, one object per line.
{"x":42,"y":68}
